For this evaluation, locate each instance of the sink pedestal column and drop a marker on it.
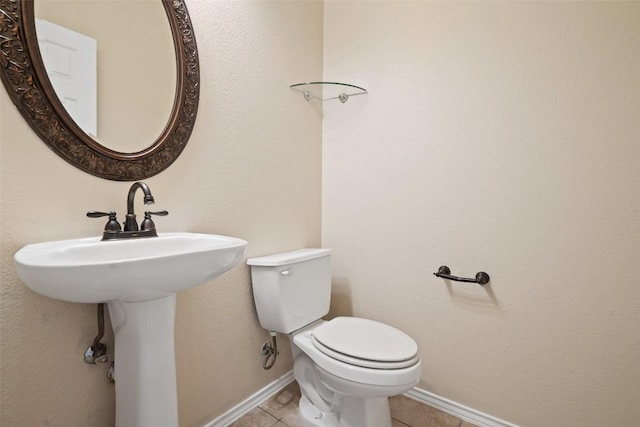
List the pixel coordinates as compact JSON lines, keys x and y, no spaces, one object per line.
{"x":145,"y":366}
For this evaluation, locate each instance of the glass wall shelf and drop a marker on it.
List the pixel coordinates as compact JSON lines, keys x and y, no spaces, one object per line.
{"x":326,"y":91}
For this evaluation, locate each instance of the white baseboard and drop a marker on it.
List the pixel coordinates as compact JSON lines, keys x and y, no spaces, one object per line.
{"x":456,"y":409}
{"x":251,"y":402}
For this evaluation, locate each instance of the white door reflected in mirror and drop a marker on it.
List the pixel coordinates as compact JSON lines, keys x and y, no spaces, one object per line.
{"x":70,"y":59}
{"x":136,"y":66}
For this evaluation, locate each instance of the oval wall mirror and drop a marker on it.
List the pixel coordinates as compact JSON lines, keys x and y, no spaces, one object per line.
{"x":144,"y":116}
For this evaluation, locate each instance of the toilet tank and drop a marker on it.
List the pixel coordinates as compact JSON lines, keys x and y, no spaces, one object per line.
{"x":291,"y":289}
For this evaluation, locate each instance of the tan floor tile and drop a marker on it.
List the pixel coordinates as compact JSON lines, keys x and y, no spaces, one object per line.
{"x":416,"y":414}
{"x":467,"y":424}
{"x":255,"y":418}
{"x":294,"y":421}
{"x":396,"y":423}
{"x":293,"y":418}
{"x":284,"y":402}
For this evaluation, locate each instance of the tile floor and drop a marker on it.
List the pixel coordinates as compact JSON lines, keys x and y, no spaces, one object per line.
{"x":281,"y":410}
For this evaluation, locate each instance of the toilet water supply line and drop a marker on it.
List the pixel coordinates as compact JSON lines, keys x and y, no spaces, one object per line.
{"x":270,"y":351}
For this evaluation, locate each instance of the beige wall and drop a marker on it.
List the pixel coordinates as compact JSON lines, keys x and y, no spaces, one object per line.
{"x":251,"y":170}
{"x":502,"y":137}
{"x":498,"y":137}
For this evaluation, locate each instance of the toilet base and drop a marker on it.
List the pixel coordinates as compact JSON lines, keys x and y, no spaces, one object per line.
{"x":315,"y":417}
{"x":355,"y":413}
{"x":371,"y":412}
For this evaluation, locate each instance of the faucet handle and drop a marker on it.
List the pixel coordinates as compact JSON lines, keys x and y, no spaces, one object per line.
{"x":112,"y":224}
{"x":147,"y":223}
{"x":158,"y":213}
{"x":98,"y":214}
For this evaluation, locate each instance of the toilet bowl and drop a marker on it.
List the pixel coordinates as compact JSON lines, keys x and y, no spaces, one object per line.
{"x":358,"y":387}
{"x":347,"y":367}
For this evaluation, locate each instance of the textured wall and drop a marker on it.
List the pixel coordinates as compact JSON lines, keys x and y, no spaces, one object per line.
{"x":251,"y":170}
{"x":501,"y":137}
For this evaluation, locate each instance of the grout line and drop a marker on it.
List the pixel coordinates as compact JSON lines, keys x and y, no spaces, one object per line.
{"x":275,"y":419}
{"x":400,"y":422}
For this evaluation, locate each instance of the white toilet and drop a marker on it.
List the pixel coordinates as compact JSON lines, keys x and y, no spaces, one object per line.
{"x":346,"y":367}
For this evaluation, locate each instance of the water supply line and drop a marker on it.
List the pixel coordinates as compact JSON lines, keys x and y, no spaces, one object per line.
{"x":270,"y":351}
{"x":96,"y":354}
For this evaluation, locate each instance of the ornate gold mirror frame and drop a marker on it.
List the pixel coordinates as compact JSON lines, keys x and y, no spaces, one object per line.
{"x":25,"y":78}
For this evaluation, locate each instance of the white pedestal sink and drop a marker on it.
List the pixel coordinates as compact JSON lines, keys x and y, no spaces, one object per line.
{"x":138,"y":278}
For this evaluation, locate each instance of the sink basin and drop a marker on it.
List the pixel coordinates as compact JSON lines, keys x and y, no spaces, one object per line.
{"x":89,"y":270}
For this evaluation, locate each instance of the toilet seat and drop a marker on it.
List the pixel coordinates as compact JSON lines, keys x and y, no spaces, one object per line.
{"x":365,"y":343}
{"x":302,"y":340}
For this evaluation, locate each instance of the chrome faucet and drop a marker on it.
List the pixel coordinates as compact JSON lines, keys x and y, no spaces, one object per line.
{"x":112,"y":229}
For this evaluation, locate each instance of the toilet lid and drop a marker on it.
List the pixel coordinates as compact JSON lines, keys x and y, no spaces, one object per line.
{"x":366,"y":343}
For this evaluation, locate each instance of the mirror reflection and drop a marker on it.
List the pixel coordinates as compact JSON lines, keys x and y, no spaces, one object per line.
{"x":123,"y":95}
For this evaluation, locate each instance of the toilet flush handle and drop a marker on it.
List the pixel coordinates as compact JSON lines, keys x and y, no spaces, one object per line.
{"x":287,"y":272}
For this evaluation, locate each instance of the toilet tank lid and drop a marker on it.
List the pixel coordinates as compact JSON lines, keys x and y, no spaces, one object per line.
{"x":285,"y":258}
